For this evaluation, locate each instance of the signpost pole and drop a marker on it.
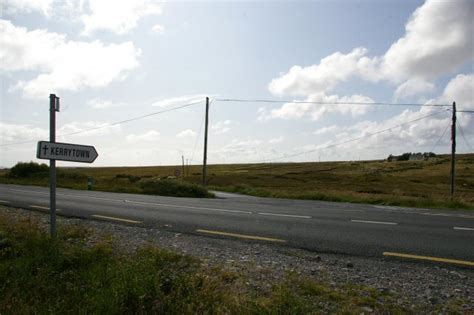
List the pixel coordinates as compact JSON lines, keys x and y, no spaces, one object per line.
{"x":52,"y":165}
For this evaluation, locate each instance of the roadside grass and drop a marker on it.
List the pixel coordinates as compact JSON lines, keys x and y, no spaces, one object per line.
{"x":402,"y":183}
{"x":71,"y":275}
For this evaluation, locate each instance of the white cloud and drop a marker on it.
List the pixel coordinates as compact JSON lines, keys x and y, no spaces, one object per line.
{"x":158,"y":29}
{"x":180,"y":100}
{"x":325,"y":130}
{"x":96,"y":128}
{"x":276,"y":140}
{"x":63,"y":65}
{"x":323,"y":104}
{"x":437,"y":41}
{"x":97,"y":103}
{"x":413,"y":87}
{"x":239,"y":150}
{"x":186,"y":133}
{"x":222,"y":126}
{"x":323,"y":77}
{"x":460,"y":90}
{"x":118,"y":16}
{"x":10,"y":133}
{"x":28,"y":6}
{"x":416,"y":136}
{"x":149,"y":136}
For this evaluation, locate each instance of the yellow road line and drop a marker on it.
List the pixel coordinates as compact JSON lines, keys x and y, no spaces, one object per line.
{"x":116,"y":219}
{"x":249,"y":237}
{"x":42,"y":208}
{"x":435,"y":259}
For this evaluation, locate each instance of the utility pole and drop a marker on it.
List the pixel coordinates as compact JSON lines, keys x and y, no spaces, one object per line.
{"x":453,"y":149}
{"x":182,"y":167}
{"x":53,"y":108}
{"x":204,"y":164}
{"x":187,"y":168}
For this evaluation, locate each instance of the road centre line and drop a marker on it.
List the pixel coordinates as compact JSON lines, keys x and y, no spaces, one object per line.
{"x":69,"y":195}
{"x":115,"y":219}
{"x":429,"y":258}
{"x":285,"y":215}
{"x":249,"y":237}
{"x":463,"y":228}
{"x":29,"y":191}
{"x":455,"y":215}
{"x":41,"y":207}
{"x":374,"y":222}
{"x":187,"y":207}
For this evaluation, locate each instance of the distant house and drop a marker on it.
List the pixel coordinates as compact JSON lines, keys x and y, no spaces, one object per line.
{"x":416,"y":157}
{"x":411,"y":157}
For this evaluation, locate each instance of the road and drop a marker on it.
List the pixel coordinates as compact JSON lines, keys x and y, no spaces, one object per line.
{"x":364,"y":230}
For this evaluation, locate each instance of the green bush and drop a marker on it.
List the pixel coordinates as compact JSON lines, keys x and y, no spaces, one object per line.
{"x":28,"y":170}
{"x":166,"y":187}
{"x":71,"y":175}
{"x":131,"y":178}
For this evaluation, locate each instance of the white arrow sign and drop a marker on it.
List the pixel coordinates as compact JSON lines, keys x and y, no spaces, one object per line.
{"x":66,"y":152}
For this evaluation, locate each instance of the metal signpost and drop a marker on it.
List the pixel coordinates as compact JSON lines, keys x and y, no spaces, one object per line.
{"x":53,"y":151}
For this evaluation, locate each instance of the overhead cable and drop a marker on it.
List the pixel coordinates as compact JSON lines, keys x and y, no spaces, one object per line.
{"x":354,"y":139}
{"x":462,"y":134}
{"x":111,"y":124}
{"x":326,"y":103}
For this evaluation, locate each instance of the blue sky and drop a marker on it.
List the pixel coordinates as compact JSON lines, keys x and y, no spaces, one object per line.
{"x":115,"y":60}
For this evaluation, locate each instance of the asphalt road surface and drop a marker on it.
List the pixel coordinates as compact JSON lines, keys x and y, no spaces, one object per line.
{"x":365,"y":230}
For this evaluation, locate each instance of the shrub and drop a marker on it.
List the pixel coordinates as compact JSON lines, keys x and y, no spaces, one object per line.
{"x":29,"y":169}
{"x":131,"y":178}
{"x":166,"y":187}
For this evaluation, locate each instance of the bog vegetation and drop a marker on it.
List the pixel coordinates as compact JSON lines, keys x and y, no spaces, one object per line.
{"x":400,"y":183}
{"x":71,"y":275}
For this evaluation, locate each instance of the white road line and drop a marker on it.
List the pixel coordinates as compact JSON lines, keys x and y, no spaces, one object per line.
{"x":42,"y":208}
{"x":70,"y":195}
{"x":30,"y":191}
{"x":4,"y":202}
{"x":187,"y":207}
{"x":115,"y":218}
{"x":286,"y":215}
{"x":374,"y":222}
{"x":463,"y":228}
{"x":454,"y":215}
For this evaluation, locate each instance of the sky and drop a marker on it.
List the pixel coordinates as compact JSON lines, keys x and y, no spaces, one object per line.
{"x":322,"y":63}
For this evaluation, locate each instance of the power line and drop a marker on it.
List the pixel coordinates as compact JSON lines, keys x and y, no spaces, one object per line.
{"x":327,"y":103}
{"x":354,"y":139}
{"x":111,"y":124}
{"x":462,"y":134}
{"x":437,"y":142}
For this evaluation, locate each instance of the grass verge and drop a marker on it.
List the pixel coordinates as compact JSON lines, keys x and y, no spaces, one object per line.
{"x":71,"y":275}
{"x":364,"y":198}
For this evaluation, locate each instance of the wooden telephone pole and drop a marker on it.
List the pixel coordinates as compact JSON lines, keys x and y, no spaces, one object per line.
{"x":204,"y":164}
{"x":453,"y":149}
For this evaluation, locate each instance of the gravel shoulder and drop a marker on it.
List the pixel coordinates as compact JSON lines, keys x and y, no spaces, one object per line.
{"x":263,"y":264}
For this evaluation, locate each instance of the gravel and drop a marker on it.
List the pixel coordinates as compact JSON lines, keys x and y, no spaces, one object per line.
{"x":413,"y":283}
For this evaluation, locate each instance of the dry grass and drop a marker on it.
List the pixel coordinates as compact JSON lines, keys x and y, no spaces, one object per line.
{"x":408,"y":183}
